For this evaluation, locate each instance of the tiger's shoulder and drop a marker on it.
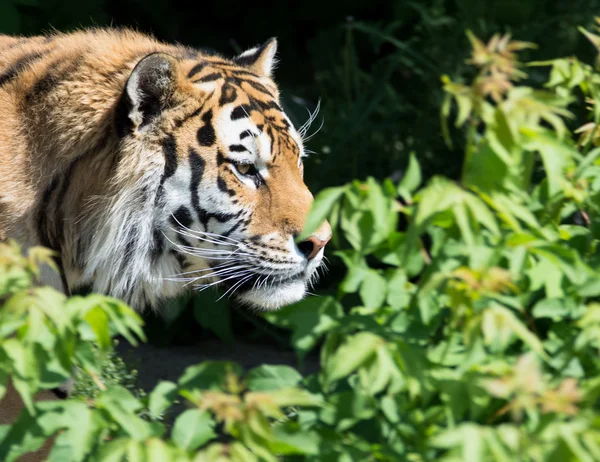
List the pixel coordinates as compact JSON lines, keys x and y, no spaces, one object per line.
{"x":55,"y":92}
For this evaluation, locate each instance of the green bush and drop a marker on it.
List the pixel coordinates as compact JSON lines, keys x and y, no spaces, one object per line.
{"x":467,"y":326}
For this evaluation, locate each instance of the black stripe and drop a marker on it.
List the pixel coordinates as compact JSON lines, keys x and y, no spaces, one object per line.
{"x":183,"y":241}
{"x":209,"y":78}
{"x":180,"y":122}
{"x":197,"y":164}
{"x":206,"y":134}
{"x":60,"y":199}
{"x":197,"y":167}
{"x":232,"y":229}
{"x":43,"y":230}
{"x":122,"y":124}
{"x":238,"y":148}
{"x":223,"y":187}
{"x":267,"y":105}
{"x":242,"y":72}
{"x":197,"y":68}
{"x":259,"y":87}
{"x":52,"y":79}
{"x":158,"y":244}
{"x":241,"y":112}
{"x":221,"y":159}
{"x":169,"y":148}
{"x":13,"y":71}
{"x":182,"y":217}
{"x":132,"y":238}
{"x":63,"y":276}
{"x":228,"y":95}
{"x":180,"y":259}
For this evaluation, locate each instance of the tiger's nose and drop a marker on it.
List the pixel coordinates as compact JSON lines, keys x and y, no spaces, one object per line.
{"x":311,"y":246}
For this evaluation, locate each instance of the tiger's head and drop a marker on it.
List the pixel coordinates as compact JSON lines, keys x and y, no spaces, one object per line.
{"x":223,"y":166}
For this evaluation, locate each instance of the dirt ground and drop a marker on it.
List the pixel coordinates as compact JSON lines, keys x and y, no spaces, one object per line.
{"x":168,"y":362}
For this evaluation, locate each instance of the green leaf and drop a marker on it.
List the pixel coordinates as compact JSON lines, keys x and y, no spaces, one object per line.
{"x":553,"y":308}
{"x":398,"y":294}
{"x":285,"y":397}
{"x":158,"y":451}
{"x":290,"y":439}
{"x":193,"y":429}
{"x":346,"y":408}
{"x":77,"y":431}
{"x":98,"y":321}
{"x":267,"y":377}
{"x":122,"y":407}
{"x":162,"y":397}
{"x":519,"y":329}
{"x":26,"y":370}
{"x":373,"y":289}
{"x":113,"y":451}
{"x":353,"y":353}
{"x":320,"y":209}
{"x":309,"y":319}
{"x":412,"y":177}
{"x":556,"y":156}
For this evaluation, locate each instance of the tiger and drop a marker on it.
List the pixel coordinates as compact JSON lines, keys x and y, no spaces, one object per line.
{"x":151,"y":168}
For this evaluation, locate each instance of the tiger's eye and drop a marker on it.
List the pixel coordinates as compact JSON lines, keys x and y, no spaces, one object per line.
{"x":244,"y":168}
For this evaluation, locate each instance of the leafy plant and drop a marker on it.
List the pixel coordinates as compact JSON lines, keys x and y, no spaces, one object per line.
{"x":44,"y":336}
{"x":466,"y":326}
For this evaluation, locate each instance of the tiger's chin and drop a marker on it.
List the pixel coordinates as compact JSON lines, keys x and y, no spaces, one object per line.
{"x":273,"y":298}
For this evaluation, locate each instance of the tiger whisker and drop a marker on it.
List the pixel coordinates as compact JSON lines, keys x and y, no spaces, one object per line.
{"x":311,"y":136}
{"x":185,"y":250}
{"x":235,"y":286}
{"x":226,"y":276}
{"x":206,"y":286}
{"x":311,"y":118}
{"x":223,"y":265}
{"x":220,"y":272}
{"x":192,"y":280}
{"x":215,"y":252}
{"x":218,"y":238}
{"x":194,"y":235}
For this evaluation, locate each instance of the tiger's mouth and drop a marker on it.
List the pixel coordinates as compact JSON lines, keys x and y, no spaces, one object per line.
{"x":273,"y":297}
{"x":244,"y":273}
{"x":271,"y":293}
{"x":273,"y":281}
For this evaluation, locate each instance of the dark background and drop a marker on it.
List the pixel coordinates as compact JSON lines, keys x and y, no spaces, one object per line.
{"x":375,"y":65}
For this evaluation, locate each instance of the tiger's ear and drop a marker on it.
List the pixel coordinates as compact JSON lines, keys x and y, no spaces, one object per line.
{"x":261,"y":60}
{"x":150,"y":88}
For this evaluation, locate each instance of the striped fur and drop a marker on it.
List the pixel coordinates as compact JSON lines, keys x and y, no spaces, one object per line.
{"x":151,"y":168}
